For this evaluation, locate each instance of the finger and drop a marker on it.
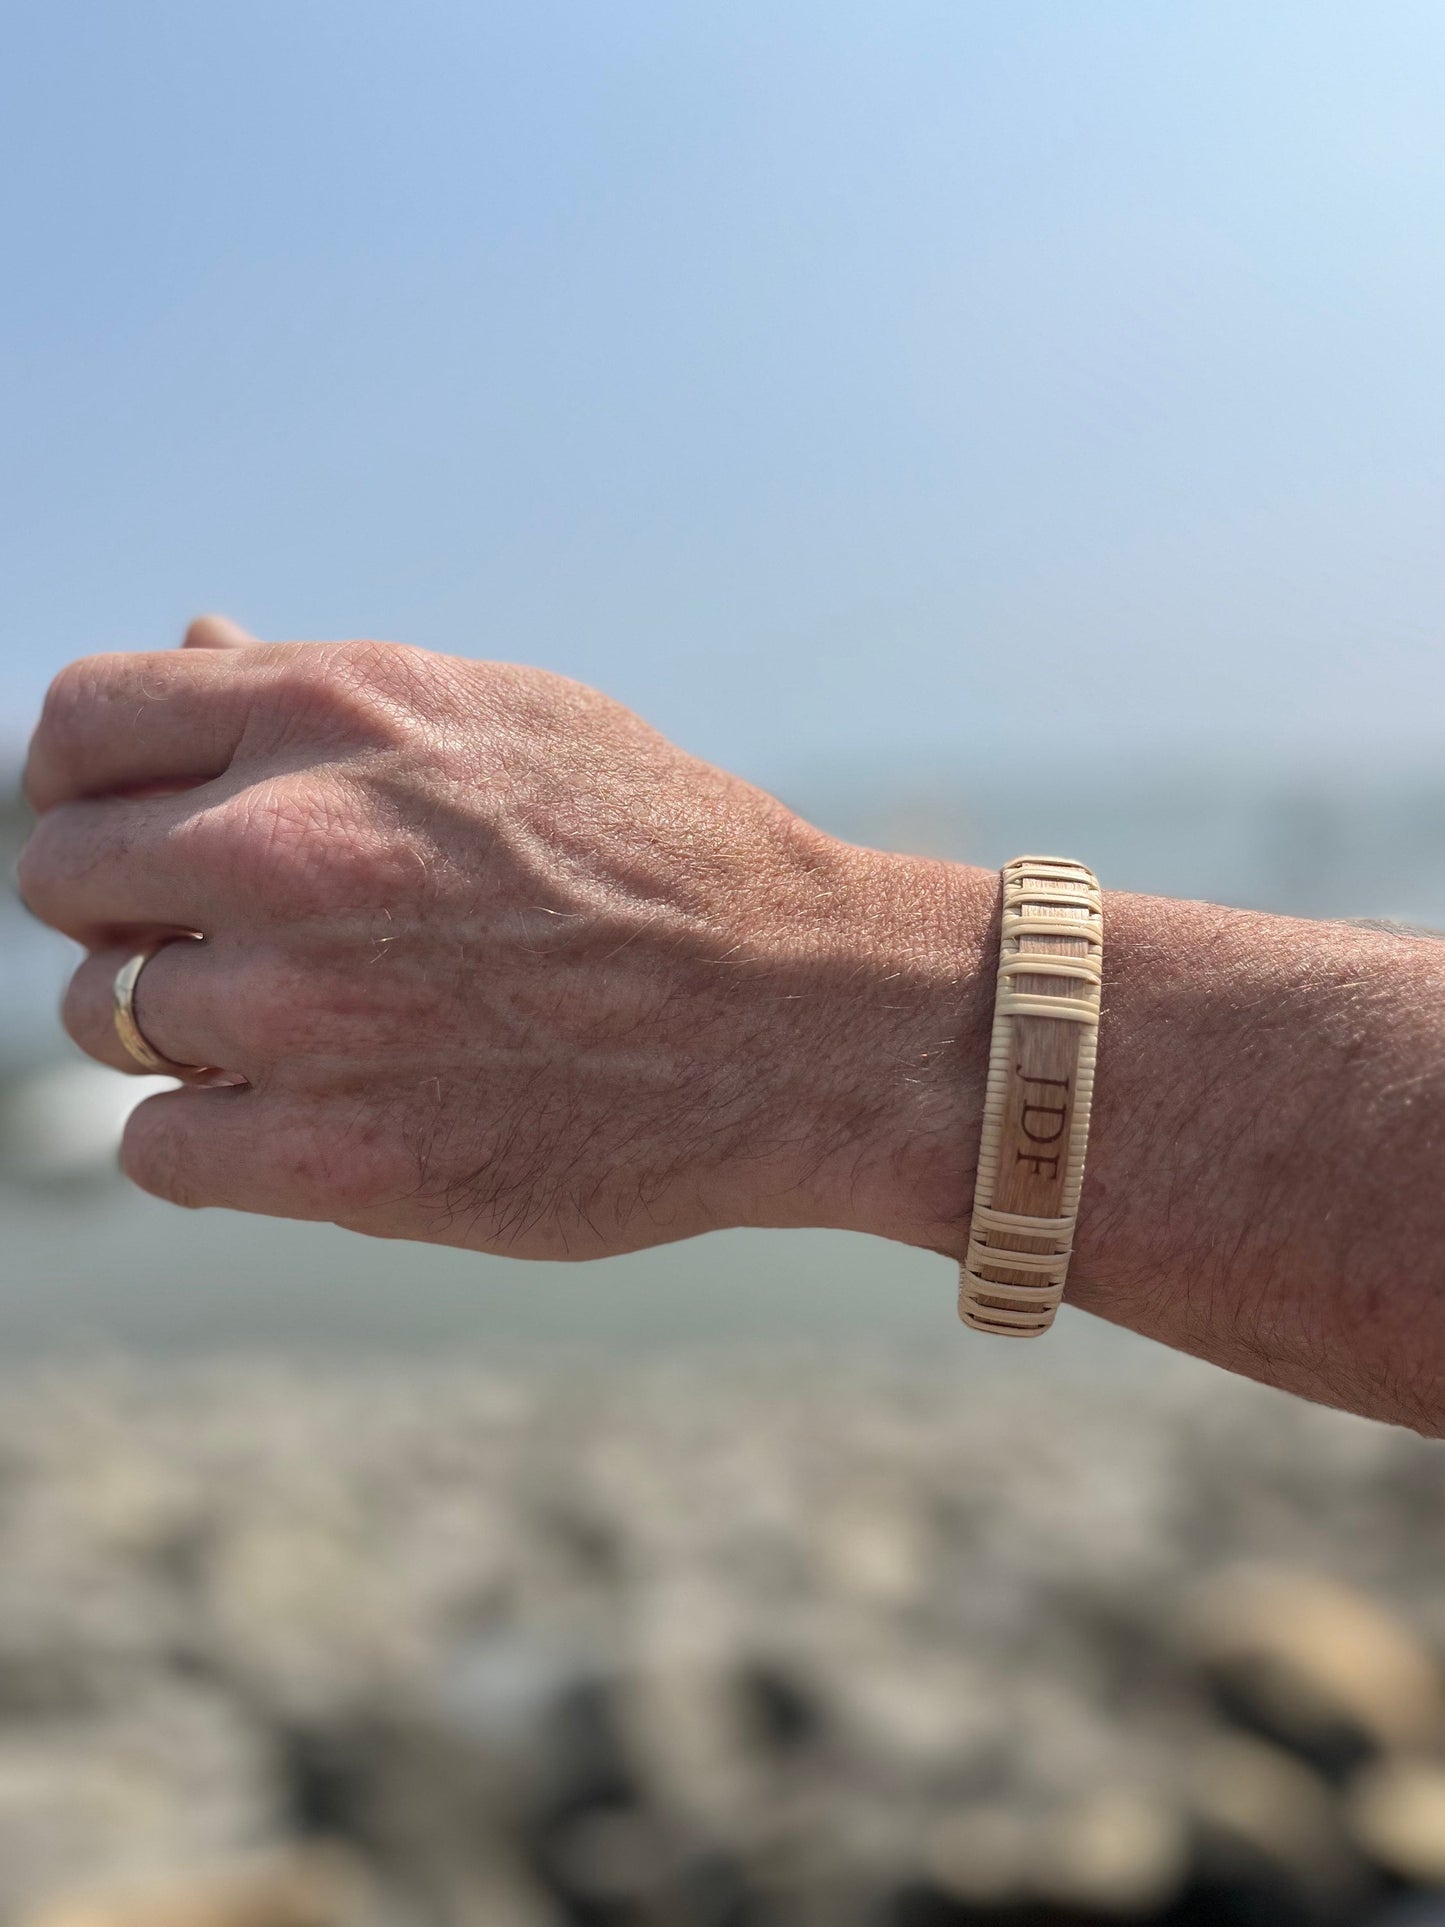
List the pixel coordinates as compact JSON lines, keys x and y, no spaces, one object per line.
{"x":114,"y":723}
{"x":199,"y":1147}
{"x":98,"y":870}
{"x":217,"y":632}
{"x":182,"y":1001}
{"x":255,"y":1150}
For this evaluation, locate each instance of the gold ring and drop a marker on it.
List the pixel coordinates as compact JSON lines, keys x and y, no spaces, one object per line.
{"x":137,"y":1046}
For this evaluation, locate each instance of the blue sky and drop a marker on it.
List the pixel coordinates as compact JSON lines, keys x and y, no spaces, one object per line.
{"x":838,"y":384}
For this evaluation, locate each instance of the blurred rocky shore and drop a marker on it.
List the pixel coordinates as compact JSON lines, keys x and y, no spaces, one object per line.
{"x":810,"y":1641}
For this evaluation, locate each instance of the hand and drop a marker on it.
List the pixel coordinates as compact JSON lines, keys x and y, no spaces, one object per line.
{"x":500,"y":967}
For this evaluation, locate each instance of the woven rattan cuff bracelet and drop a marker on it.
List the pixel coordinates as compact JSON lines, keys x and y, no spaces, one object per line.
{"x":1036,"y":1106}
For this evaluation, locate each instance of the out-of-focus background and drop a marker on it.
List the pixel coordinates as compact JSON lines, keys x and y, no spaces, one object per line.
{"x":845,"y":388}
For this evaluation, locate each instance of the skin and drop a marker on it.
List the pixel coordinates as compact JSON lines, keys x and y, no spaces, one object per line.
{"x":488,"y":962}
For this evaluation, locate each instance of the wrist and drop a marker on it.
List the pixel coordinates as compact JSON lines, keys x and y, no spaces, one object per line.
{"x":906,"y":990}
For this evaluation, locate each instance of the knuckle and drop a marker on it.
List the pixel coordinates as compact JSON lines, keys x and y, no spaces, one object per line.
{"x":53,"y":741}
{"x":67,"y":718}
{"x":287,"y":839}
{"x":209,"y":842}
{"x":311,"y":1003}
{"x":72,"y":697}
{"x":69,"y":696}
{"x":379,"y":665}
{"x":276,"y":1011}
{"x":368,"y":693}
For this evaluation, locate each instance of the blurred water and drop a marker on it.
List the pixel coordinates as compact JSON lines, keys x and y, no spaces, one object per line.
{"x":117,"y":1272}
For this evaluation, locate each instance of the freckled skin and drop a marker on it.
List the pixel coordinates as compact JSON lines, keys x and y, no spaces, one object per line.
{"x":500,"y":967}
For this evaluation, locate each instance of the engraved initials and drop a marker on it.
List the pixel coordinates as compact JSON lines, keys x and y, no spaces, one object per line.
{"x":1038,"y":1161}
{"x":1058,"y":1112}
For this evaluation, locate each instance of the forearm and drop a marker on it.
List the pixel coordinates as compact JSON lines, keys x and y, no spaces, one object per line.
{"x":488,"y":962}
{"x":1268,"y":1140}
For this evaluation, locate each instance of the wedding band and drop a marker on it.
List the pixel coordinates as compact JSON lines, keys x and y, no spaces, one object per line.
{"x":137,"y":1046}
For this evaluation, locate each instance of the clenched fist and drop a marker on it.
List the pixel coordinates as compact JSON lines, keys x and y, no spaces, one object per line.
{"x":490,"y":963}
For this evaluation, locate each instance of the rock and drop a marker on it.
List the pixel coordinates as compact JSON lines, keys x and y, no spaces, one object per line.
{"x":1323,"y":1669}
{"x":1265,"y":1819}
{"x":181,"y":1777}
{"x":1118,"y":1853}
{"x":709,"y":1645}
{"x":1122,"y":1852}
{"x":922,"y":1716}
{"x":981,"y":1856}
{"x":872,"y":1538}
{"x":319,"y":1888}
{"x":1397,"y":1814}
{"x":608,"y":1859}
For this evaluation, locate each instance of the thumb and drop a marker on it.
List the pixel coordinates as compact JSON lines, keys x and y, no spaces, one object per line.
{"x":217,"y":632}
